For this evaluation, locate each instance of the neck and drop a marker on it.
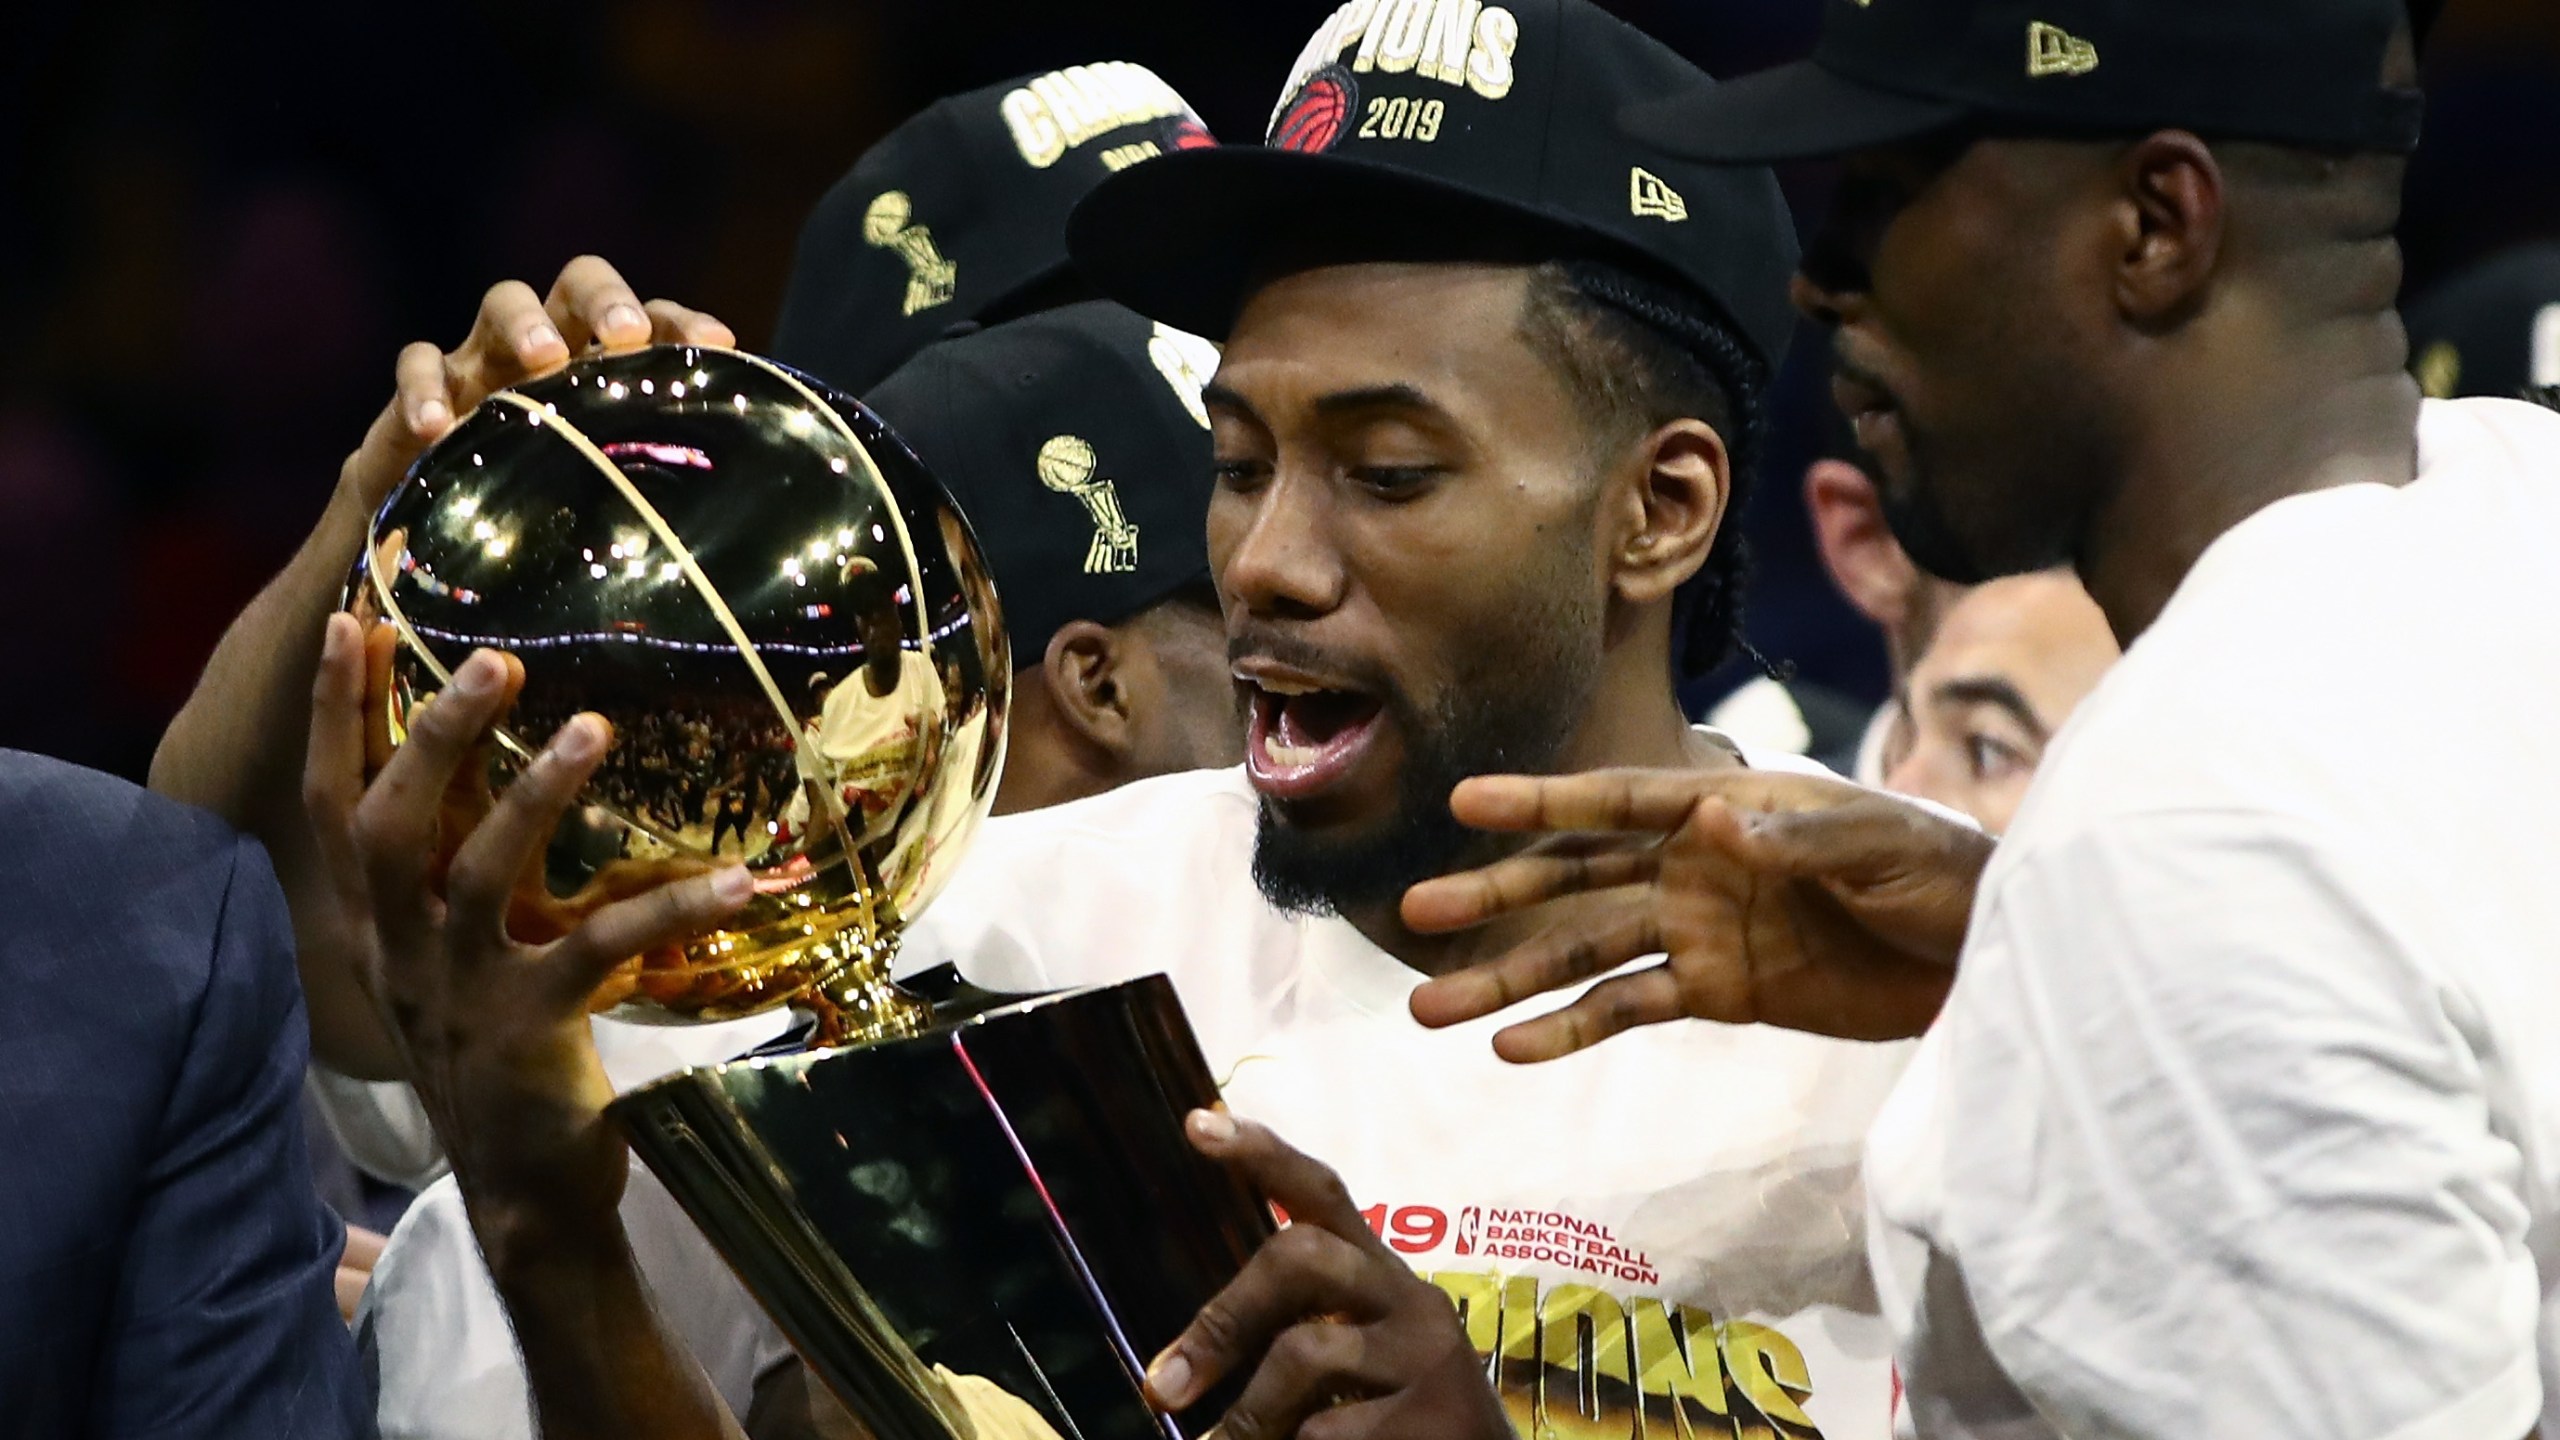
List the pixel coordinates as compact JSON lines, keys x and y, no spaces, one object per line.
{"x":1634,"y":722}
{"x":2223,"y":441}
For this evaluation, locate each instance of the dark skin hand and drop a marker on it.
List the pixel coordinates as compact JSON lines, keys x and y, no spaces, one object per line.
{"x":494,"y":1032}
{"x":1783,"y":900}
{"x":1344,"y":1341}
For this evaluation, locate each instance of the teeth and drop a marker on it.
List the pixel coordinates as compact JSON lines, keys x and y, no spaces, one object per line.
{"x":1287,"y":687}
{"x":1289,"y":757}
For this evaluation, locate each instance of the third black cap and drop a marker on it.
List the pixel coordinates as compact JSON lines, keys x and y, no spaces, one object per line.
{"x":1076,"y":443}
{"x":2303,"y":72}
{"x":960,"y":215}
{"x":1441,"y":130}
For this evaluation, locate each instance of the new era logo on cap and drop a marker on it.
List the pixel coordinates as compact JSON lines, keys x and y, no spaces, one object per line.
{"x":1647,"y":194}
{"x":2052,"y":50}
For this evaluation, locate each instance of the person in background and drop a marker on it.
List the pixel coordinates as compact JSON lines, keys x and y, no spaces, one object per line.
{"x":2492,"y":330}
{"x":2237,"y":1113}
{"x":166,"y":1267}
{"x":2008,"y":664}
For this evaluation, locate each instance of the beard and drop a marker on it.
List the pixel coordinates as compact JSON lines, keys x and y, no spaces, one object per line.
{"x":1507,"y":711}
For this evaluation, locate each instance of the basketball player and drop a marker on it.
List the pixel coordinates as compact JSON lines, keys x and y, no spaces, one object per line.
{"x":2239,"y":1114}
{"x":1478,"y":427}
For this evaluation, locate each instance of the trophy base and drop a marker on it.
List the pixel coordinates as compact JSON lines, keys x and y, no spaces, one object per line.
{"x":995,"y":1221}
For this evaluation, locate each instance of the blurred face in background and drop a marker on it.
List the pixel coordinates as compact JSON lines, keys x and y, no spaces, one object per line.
{"x":2009,"y":663}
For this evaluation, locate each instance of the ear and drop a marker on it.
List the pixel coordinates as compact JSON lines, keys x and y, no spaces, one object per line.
{"x":1857,"y":547}
{"x":1674,"y":513}
{"x":1085,"y":673}
{"x":2170,"y":221}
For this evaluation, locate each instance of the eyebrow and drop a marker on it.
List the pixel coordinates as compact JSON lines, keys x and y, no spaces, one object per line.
{"x":1993,"y":690}
{"x":1340,"y":402}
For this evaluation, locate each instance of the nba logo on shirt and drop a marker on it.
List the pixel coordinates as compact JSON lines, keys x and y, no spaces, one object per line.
{"x":1470,"y":1226}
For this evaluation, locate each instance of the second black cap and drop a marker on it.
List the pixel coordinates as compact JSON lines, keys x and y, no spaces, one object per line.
{"x":1076,"y":443}
{"x":960,"y":215}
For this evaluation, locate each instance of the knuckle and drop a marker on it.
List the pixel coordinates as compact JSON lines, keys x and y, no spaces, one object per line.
{"x":1216,"y":1330}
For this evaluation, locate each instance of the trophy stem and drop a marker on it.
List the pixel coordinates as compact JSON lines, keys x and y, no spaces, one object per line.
{"x":860,"y":1005}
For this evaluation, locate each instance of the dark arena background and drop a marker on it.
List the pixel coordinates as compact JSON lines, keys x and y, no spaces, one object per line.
{"x":219,"y":223}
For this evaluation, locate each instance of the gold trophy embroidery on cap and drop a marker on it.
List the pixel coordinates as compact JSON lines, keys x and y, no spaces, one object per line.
{"x":931,"y":280}
{"x":2052,"y":50}
{"x":1648,"y":196}
{"x":1069,"y":466}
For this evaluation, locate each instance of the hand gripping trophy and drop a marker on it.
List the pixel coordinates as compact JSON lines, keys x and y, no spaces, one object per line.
{"x":974,"y":1218}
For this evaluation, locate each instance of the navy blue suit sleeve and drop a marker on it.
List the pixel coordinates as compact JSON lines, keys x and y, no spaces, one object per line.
{"x":225,"y":1322}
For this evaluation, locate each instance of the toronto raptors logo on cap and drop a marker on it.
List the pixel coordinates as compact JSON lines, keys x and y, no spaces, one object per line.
{"x":1313,"y":119}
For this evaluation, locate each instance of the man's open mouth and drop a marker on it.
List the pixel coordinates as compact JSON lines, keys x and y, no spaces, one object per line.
{"x":1302,"y":734}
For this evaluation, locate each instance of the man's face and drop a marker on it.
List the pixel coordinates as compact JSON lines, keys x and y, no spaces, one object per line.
{"x":1966,"y":352}
{"x":2010,"y":663}
{"x":1404,"y":540}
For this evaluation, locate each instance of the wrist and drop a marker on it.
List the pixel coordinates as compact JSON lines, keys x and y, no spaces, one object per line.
{"x":531,"y":1243}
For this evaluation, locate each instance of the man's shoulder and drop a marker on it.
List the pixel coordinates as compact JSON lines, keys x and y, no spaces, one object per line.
{"x":1189,"y":808}
{"x":60,"y":810}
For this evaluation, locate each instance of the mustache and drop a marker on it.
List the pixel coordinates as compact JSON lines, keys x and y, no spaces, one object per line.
{"x":1299,"y":653}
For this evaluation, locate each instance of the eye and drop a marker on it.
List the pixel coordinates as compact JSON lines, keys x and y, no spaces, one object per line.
{"x":1242,"y":474}
{"x":1396,"y":482}
{"x":1994,"y":758}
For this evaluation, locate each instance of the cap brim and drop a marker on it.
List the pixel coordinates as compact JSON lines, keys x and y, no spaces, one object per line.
{"x":1794,"y":112}
{"x":1181,"y":238}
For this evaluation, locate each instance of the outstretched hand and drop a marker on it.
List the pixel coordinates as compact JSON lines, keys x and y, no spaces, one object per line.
{"x":517,"y":336}
{"x":1775,"y":899}
{"x":1342,"y":1340}
{"x":494,"y":1030}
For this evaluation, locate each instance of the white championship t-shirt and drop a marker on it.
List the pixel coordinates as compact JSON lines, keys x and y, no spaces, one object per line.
{"x":2243,"y":1117}
{"x":1668,"y":1224}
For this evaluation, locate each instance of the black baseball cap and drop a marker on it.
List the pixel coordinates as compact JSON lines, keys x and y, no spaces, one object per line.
{"x":959,"y":215}
{"x":1447,"y":130}
{"x":2491,"y":330}
{"x":2299,"y":72}
{"x":1075,"y":442}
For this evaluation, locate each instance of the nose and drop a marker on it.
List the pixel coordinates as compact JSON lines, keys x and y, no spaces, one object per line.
{"x":1272,"y":552}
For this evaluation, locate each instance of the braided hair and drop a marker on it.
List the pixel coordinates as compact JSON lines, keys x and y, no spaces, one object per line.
{"x":1639,"y":354}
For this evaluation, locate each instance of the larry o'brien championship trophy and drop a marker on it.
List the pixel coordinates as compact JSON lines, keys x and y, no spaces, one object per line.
{"x":973,"y":1219}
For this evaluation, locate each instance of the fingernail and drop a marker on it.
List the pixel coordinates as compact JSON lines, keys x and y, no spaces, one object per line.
{"x":543,"y":337}
{"x":733,"y":885}
{"x":1170,"y":1378}
{"x":579,"y":740}
{"x":333,"y":640}
{"x":623,"y":317}
{"x":433,"y":412}
{"x":1213,"y":1125}
{"x":479,"y":675}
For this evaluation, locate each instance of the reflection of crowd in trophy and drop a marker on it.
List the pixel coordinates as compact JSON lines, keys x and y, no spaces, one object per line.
{"x":723,"y":767}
